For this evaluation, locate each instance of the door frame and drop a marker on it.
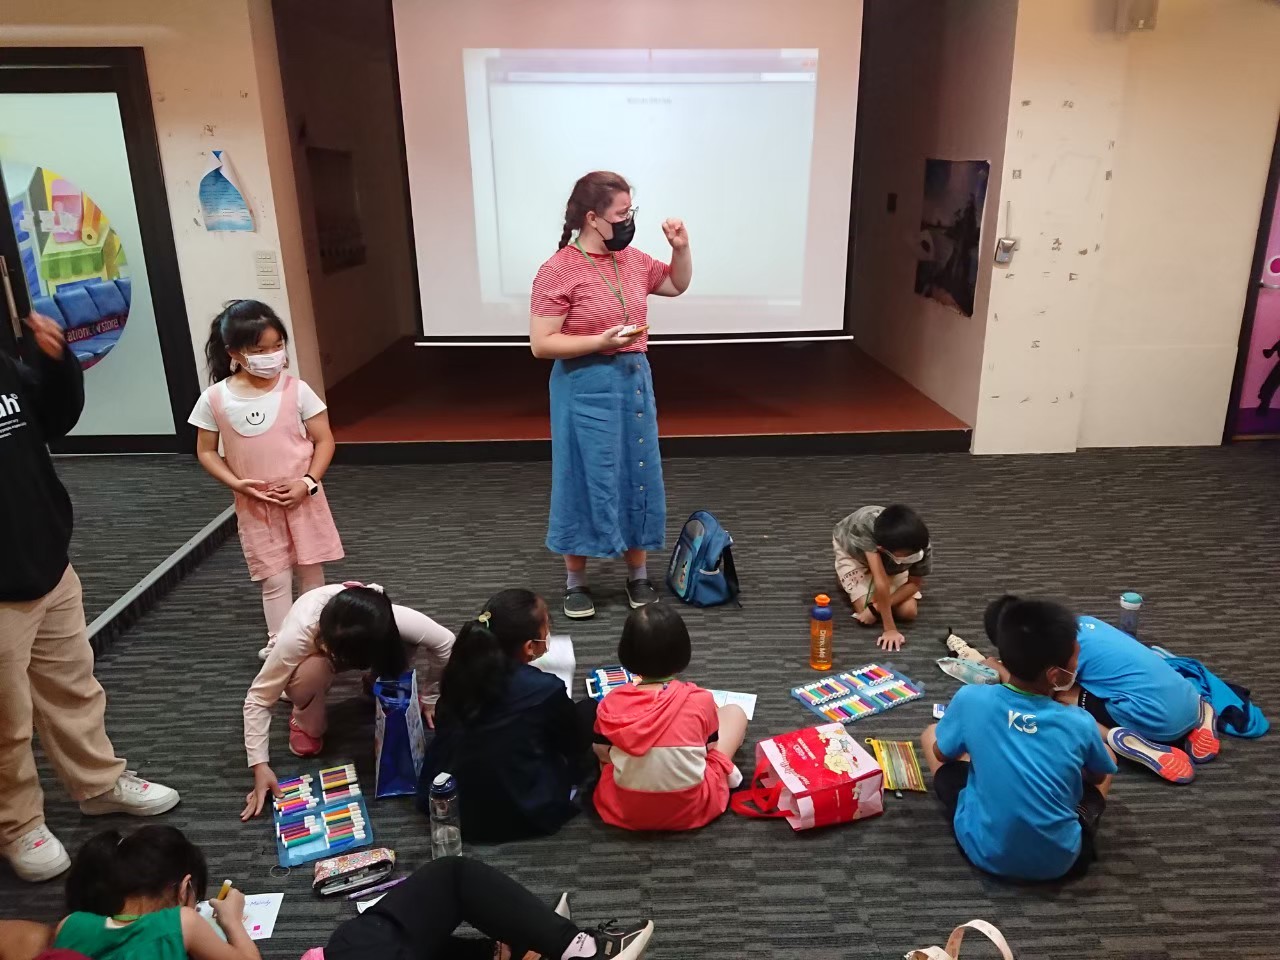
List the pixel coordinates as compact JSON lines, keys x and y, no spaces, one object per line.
{"x":123,"y":71}
{"x":1269,"y":199}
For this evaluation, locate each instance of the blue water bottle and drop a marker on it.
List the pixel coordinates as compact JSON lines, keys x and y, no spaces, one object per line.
{"x":1130,"y":607}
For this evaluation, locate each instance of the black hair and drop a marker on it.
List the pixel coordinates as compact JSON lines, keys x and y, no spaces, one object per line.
{"x":358,"y":630}
{"x":1034,"y":635}
{"x":486,"y":653}
{"x":150,"y":862}
{"x":991,"y":616}
{"x":655,"y":641}
{"x":240,"y":324}
{"x":898,"y":527}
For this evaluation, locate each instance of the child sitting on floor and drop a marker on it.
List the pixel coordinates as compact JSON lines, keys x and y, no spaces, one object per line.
{"x":347,"y":626}
{"x":1023,"y":777}
{"x":508,"y":732}
{"x":667,"y":753}
{"x":1142,"y":704}
{"x":882,"y":557}
{"x":133,"y":898}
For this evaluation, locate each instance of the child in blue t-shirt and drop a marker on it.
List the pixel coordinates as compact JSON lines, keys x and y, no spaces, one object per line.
{"x":1144,"y":707}
{"x":1023,"y":777}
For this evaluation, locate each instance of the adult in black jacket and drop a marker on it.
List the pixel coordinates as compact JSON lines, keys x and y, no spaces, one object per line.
{"x":507,"y":731}
{"x":46,"y":663}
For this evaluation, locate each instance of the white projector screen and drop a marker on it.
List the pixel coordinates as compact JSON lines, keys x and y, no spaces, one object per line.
{"x":737,"y":116}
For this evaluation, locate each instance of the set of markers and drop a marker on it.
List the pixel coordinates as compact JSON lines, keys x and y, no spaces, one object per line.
{"x":855,"y":694}
{"x":601,"y":680}
{"x":319,"y":815}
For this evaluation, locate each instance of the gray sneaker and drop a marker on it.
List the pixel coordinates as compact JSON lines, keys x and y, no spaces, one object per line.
{"x":578,"y":604}
{"x":641,"y":593}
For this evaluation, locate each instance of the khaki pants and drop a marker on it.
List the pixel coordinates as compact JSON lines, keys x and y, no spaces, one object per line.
{"x":46,"y":679}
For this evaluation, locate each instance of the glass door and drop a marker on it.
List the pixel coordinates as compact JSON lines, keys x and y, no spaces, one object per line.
{"x":74,"y":166}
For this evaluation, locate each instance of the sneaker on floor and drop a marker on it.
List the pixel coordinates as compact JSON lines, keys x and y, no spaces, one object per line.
{"x":303,"y":744}
{"x":132,"y":795}
{"x":1168,"y":762}
{"x":578,"y":604}
{"x":1202,"y":742}
{"x":37,"y":855}
{"x":562,"y":906}
{"x":641,"y":593}
{"x":615,"y":942}
{"x":266,"y":651}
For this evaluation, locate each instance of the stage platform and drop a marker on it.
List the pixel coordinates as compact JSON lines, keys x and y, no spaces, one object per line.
{"x":442,"y":404}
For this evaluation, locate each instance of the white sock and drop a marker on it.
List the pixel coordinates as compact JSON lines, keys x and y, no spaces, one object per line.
{"x":584,"y":945}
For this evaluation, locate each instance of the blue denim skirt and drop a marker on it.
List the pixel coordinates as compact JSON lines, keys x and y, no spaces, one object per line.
{"x":606,"y":470}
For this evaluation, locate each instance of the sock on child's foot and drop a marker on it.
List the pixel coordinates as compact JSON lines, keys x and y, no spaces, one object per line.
{"x":638,"y":573}
{"x":575,"y":578}
{"x":584,"y":945}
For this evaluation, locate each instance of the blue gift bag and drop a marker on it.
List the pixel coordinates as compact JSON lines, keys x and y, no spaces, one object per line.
{"x":400,"y":740}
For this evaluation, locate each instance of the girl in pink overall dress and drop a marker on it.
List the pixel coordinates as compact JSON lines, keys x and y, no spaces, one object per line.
{"x":272,"y":461}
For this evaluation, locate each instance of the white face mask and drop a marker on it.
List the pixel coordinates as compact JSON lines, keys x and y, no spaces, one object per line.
{"x":1063,"y":687}
{"x":906,"y":561}
{"x":265,"y":365}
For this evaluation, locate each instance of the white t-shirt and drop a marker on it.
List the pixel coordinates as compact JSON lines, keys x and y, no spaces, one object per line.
{"x":251,"y":416}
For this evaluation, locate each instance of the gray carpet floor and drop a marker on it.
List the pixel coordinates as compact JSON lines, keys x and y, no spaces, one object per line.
{"x":130,"y":514}
{"x":1186,"y":872}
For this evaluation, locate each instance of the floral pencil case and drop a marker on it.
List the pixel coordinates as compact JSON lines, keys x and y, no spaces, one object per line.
{"x":352,"y":871}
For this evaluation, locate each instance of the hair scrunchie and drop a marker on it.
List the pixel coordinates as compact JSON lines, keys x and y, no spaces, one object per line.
{"x":370,"y":586}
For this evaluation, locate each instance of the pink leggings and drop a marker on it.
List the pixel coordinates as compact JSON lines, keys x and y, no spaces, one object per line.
{"x":308,"y":690}
{"x":277,"y":592}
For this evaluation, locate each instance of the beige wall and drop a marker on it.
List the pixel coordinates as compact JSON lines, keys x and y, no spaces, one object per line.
{"x":214,"y":85}
{"x":1146,"y":157}
{"x":935,"y":84}
{"x":1064,"y":117}
{"x":1198,"y":121}
{"x":340,"y":85}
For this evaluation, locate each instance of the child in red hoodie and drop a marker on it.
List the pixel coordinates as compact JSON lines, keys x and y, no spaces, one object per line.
{"x":666,"y":752}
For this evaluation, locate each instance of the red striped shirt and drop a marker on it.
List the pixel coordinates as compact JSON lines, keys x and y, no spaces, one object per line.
{"x":568,"y":285}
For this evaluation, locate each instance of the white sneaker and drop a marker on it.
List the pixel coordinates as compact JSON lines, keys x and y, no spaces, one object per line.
{"x":133,"y":795}
{"x":37,"y":855}
{"x":562,"y":906}
{"x":266,"y":651}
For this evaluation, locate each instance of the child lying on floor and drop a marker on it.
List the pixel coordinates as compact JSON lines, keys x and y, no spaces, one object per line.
{"x":1144,"y":707}
{"x":882,"y":557}
{"x":133,"y":898}
{"x":1023,"y":778}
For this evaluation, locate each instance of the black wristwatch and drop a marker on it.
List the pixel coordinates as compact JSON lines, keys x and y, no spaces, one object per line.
{"x":313,"y":485}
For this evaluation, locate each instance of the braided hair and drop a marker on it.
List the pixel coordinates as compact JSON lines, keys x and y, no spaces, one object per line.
{"x":593,"y":192}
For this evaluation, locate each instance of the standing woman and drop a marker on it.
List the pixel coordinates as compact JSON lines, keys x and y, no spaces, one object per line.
{"x":588,"y":311}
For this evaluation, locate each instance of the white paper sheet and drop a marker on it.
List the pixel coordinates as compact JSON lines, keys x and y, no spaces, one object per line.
{"x":363,"y":905}
{"x":559,"y":660}
{"x":747,"y":701}
{"x":260,"y":912}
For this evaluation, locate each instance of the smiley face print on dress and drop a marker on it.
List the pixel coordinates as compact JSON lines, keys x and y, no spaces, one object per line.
{"x":255,"y":418}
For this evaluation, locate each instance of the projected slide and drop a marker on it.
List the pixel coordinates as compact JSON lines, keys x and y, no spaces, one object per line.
{"x":746,"y":132}
{"x":720,"y":138}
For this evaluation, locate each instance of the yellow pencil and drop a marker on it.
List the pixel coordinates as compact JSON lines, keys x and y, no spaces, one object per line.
{"x":226,"y":888}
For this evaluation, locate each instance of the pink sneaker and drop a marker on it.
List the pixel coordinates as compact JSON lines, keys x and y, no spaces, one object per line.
{"x":301,"y":743}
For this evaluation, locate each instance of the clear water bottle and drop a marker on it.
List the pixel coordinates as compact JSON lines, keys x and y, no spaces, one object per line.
{"x":446,"y":820}
{"x":1130,"y":607}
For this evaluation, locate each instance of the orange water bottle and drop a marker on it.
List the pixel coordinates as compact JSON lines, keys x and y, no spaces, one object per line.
{"x":821,"y":629}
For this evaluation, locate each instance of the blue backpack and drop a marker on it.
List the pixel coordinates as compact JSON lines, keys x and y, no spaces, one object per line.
{"x":702,"y":571}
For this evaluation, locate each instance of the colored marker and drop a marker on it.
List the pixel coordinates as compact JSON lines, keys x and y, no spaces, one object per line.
{"x":299,"y":840}
{"x":226,"y":888}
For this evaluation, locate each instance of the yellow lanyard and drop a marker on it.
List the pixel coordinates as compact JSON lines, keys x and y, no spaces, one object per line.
{"x":616,"y":291}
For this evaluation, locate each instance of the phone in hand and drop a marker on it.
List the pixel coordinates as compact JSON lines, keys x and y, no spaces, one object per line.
{"x":633,"y":329}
